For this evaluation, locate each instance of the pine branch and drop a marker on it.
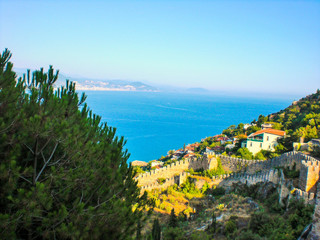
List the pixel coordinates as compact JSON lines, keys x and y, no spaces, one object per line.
{"x":4,"y":130}
{"x":46,"y":163}
{"x":29,"y":148}
{"x":25,"y":179}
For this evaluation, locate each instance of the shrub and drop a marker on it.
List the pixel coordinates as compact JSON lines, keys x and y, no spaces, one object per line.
{"x":248,"y":235}
{"x":217,"y":191}
{"x":200,"y":235}
{"x":161,"y":180}
{"x":230,"y":227}
{"x":173,"y":233}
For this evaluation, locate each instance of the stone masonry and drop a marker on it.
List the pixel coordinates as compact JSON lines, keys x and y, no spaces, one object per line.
{"x":248,"y":172}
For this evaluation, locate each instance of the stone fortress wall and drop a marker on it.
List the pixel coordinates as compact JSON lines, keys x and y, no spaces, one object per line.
{"x":168,"y":172}
{"x":245,"y":171}
{"x":288,"y":159}
{"x":249,"y":172}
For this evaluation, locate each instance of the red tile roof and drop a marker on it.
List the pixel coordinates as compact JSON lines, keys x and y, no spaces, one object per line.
{"x":270,"y":131}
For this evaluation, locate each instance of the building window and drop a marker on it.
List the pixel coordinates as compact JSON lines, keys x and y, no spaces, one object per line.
{"x":261,"y":145}
{"x":268,"y":138}
{"x":250,"y":144}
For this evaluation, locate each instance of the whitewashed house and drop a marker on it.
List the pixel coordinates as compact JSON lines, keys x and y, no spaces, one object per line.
{"x":265,"y":139}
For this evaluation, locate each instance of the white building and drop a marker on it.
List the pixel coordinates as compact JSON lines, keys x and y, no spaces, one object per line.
{"x":156,"y":163}
{"x":265,"y":139}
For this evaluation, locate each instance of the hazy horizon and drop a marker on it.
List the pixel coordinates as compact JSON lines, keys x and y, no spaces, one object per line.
{"x":245,"y":47}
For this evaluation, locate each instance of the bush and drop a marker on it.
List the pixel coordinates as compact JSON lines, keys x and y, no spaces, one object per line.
{"x":215,"y":172}
{"x":259,"y":223}
{"x":230,"y":227}
{"x":161,"y":180}
{"x":217,"y":191}
{"x":248,"y":235}
{"x":291,"y":173}
{"x":200,"y":235}
{"x":173,"y":234}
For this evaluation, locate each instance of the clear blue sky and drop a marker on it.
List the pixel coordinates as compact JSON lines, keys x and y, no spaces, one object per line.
{"x":252,"y":46}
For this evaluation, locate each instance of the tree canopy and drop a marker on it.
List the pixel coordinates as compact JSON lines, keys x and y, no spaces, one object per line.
{"x":63,"y":173}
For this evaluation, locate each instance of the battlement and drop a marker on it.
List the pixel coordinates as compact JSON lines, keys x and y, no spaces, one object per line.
{"x":288,"y":159}
{"x":245,"y":171}
{"x":178,"y":179}
{"x":306,"y":196}
{"x":173,"y":169}
{"x":247,"y":178}
{"x":309,"y":174}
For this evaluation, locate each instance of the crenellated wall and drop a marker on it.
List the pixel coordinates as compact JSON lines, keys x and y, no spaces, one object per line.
{"x":245,"y":171}
{"x":167,"y":172}
{"x":177,"y":179}
{"x":249,"y":172}
{"x":247,"y":178}
{"x":285,"y":160}
{"x":309,"y":175}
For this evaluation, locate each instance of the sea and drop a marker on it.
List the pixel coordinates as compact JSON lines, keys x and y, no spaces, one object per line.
{"x":153,"y":123}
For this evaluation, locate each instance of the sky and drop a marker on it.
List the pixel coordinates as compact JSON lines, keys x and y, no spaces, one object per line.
{"x":236,"y":46}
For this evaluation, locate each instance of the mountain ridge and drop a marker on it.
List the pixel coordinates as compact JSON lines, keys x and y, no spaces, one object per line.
{"x":83,"y":83}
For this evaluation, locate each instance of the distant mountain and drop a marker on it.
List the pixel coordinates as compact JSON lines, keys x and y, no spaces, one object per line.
{"x":83,"y":83}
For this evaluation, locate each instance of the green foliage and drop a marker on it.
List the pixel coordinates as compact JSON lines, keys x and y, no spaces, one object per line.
{"x":230,"y":131}
{"x":315,"y":151}
{"x":260,"y":156}
{"x":291,"y":173}
{"x":156,"y":230}
{"x":276,"y":222}
{"x":138,"y":234}
{"x":213,"y":226}
{"x":269,"y":154}
{"x":301,"y":119}
{"x":261,"y":119}
{"x":230,"y":227}
{"x":259,"y":223}
{"x":189,"y":187}
{"x":173,"y":233}
{"x":272,"y":202}
{"x":63,"y":173}
{"x":205,"y":188}
{"x":215,"y":172}
{"x":196,"y":235}
{"x":217,"y":191}
{"x":161,"y":180}
{"x":138,"y":170}
{"x":244,"y":153}
{"x":252,"y":129}
{"x":173,"y":221}
{"x":248,"y":235}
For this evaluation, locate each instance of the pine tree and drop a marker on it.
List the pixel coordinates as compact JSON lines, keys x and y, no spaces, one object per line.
{"x":214,"y":223}
{"x":173,"y":222}
{"x":138,"y":235}
{"x":156,"y":230}
{"x":63,"y":173}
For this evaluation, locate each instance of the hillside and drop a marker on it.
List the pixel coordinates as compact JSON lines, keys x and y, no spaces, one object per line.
{"x":200,"y":193}
{"x":83,"y":83}
{"x":302,"y":118}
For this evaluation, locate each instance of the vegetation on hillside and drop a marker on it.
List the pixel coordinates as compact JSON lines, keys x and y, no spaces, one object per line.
{"x":63,"y":173}
{"x":247,"y":212}
{"x":301,"y":120}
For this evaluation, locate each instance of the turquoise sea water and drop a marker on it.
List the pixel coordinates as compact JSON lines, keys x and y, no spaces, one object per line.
{"x":154,"y":123}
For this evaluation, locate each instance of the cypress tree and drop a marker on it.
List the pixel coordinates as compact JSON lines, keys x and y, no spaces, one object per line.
{"x":173,"y":222}
{"x":214,"y":223}
{"x":138,"y":235}
{"x":63,"y":173}
{"x":156,"y":230}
